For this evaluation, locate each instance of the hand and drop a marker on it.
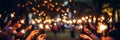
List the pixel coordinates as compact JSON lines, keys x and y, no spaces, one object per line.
{"x":41,"y":37}
{"x":34,"y":32}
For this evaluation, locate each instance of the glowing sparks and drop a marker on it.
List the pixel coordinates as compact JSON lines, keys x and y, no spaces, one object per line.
{"x":89,"y":20}
{"x":101,"y":27}
{"x":33,"y":22}
{"x":79,"y":21}
{"x":102,"y":17}
{"x":12,"y":15}
{"x":0,"y":15}
{"x":75,"y":11}
{"x":40,"y":26}
{"x":94,"y":19}
{"x":45,"y":1}
{"x":22,"y":21}
{"x":73,"y":20}
{"x":86,"y":17}
{"x":47,"y":27}
{"x":23,"y":31}
{"x":83,"y":18}
{"x":110,"y":20}
{"x":80,"y":27}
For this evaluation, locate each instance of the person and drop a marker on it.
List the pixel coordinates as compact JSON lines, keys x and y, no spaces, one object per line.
{"x":63,"y":27}
{"x":55,"y":29}
{"x":72,"y":31}
{"x":115,"y":33}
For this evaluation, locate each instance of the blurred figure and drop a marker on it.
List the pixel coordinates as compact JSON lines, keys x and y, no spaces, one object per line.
{"x":115,"y":34}
{"x":63,"y":27}
{"x":55,"y":29}
{"x":72,"y":31}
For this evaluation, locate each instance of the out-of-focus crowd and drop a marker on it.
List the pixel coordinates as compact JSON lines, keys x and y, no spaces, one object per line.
{"x":15,"y":30}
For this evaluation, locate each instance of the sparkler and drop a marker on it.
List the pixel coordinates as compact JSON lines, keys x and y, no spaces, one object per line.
{"x":47,"y":27}
{"x":101,"y":28}
{"x":80,"y":27}
{"x":33,"y":22}
{"x":94,"y":19}
{"x":73,"y":20}
{"x":83,"y":18}
{"x":79,"y":21}
{"x":0,"y":15}
{"x":89,"y":20}
{"x":40,"y":26}
{"x":22,"y":21}
{"x":23,"y":31}
{"x":12,"y":15}
{"x":86,"y":17}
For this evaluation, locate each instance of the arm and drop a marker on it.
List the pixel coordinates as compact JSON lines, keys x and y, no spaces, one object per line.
{"x":34,"y":32}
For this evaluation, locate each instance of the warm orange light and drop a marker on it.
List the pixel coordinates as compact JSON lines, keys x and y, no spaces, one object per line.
{"x":56,"y":3}
{"x":79,"y":21}
{"x":0,"y":15}
{"x":94,"y":19}
{"x":83,"y":18}
{"x":40,"y":26}
{"x":23,"y":31}
{"x":110,"y":20}
{"x":80,"y":27}
{"x":12,"y":15}
{"x":33,"y":22}
{"x":58,"y":19}
{"x":102,"y":17}
{"x":89,"y":20}
{"x":101,"y":27}
{"x":73,"y":20}
{"x":75,"y":11}
{"x":47,"y":27}
{"x":45,"y":1}
{"x":67,"y":10}
{"x":86,"y":17}
{"x":22,"y":21}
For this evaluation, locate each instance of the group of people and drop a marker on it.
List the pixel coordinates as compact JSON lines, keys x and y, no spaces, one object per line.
{"x":90,"y":33}
{"x":14,"y":30}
